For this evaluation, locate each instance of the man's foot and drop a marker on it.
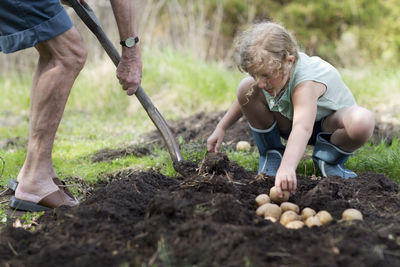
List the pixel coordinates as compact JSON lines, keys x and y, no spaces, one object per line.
{"x":50,"y":201}
{"x":13,"y":183}
{"x":64,"y":188}
{"x":55,"y":198}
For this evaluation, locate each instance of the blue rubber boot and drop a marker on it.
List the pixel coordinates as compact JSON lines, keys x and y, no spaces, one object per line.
{"x":330,"y":159}
{"x":270,"y":148}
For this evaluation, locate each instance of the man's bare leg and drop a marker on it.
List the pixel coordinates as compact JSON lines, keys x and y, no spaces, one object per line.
{"x":60,"y":62}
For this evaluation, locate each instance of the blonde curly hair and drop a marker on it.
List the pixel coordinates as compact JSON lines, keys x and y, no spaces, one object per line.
{"x":265,"y":44}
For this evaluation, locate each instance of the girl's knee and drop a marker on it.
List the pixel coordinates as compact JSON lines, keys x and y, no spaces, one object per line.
{"x":361,"y":124}
{"x":245,"y":91}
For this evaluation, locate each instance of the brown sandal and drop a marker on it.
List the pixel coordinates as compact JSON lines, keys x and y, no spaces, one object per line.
{"x":64,"y":188}
{"x":62,"y":197}
{"x":13,"y":183}
{"x":51,"y":201}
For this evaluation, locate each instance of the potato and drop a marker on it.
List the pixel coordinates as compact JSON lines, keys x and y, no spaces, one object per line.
{"x":261,"y":210}
{"x":243,"y":146}
{"x":313,"y":221}
{"x":273,"y":195}
{"x":288,"y":216}
{"x":324,"y":216}
{"x":295,"y":225}
{"x":272,"y":219}
{"x":285,"y":206}
{"x":352,"y":214}
{"x":307,"y":212}
{"x":272,"y":210}
{"x":262,"y":199}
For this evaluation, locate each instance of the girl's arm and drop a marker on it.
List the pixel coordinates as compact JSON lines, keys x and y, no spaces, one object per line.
{"x":232,"y":115}
{"x":305,"y":97}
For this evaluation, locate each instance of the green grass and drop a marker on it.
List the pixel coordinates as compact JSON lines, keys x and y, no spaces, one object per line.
{"x":99,"y":115}
{"x":379,"y":158}
{"x":373,"y":86}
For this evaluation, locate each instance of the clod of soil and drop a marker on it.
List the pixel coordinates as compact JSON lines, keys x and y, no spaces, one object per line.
{"x":214,"y":163}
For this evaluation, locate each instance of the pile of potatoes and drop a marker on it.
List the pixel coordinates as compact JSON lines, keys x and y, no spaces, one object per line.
{"x":288,"y":214}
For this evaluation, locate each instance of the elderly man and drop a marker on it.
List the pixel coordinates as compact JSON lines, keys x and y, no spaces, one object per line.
{"x":46,"y":26}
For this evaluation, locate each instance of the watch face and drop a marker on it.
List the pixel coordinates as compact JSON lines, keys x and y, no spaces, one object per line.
{"x":129,"y":42}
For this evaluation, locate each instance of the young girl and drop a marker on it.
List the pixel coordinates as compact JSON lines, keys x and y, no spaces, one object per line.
{"x":300,"y":98}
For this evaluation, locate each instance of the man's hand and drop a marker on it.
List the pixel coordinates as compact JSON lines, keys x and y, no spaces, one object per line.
{"x":129,"y":70}
{"x":285,"y":179}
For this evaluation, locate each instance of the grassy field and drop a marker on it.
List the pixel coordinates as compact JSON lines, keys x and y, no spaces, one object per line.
{"x":99,"y":115}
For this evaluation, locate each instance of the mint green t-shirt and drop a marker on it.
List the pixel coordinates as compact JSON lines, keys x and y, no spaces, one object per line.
{"x":336,"y":96}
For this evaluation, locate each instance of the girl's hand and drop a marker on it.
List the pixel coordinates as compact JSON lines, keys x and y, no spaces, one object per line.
{"x":215,"y":140}
{"x":285,"y":179}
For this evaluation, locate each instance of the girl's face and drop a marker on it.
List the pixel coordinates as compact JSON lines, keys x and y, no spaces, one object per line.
{"x":274,"y":82}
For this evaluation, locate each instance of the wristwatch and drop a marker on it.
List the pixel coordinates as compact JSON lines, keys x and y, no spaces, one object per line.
{"x":130,"y":41}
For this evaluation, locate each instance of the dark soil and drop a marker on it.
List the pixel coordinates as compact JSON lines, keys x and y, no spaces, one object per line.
{"x":206,"y":217}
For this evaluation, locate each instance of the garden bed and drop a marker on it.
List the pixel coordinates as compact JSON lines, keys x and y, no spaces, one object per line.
{"x":206,"y":217}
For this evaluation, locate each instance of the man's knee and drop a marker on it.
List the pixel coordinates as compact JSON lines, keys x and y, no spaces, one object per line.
{"x":76,"y":52}
{"x":66,"y":51}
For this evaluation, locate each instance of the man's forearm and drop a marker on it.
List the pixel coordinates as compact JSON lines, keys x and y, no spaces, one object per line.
{"x":125,"y":15}
{"x":129,"y":70}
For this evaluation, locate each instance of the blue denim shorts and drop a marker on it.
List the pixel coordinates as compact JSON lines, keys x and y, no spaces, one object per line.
{"x":316,"y":130}
{"x":24,"y":23}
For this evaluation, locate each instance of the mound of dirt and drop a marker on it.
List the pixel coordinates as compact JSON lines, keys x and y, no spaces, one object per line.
{"x":207,"y":218}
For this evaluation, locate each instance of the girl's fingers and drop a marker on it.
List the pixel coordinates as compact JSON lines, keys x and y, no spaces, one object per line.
{"x":279,"y":190}
{"x":284,"y":184}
